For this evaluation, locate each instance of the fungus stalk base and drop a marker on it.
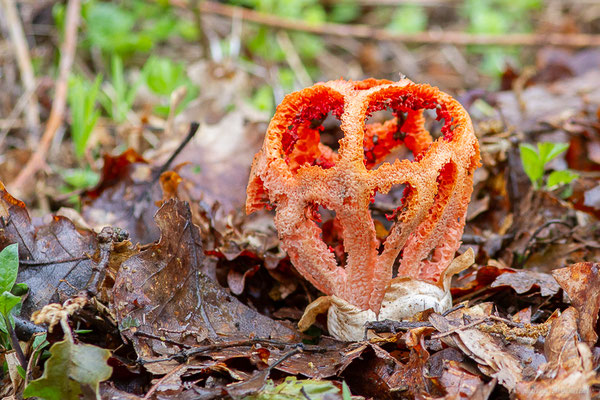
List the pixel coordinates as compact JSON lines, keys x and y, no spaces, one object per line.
{"x":402,"y":300}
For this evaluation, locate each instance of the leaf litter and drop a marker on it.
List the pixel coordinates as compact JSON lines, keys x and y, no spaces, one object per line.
{"x":196,"y":300}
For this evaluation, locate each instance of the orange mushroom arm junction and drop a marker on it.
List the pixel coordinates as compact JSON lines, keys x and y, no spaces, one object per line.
{"x":296,"y":173}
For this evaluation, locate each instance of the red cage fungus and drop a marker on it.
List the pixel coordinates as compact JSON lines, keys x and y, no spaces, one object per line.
{"x":297,"y":174}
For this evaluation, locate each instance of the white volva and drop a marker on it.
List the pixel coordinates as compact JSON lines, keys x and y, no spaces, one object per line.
{"x":403,"y":299}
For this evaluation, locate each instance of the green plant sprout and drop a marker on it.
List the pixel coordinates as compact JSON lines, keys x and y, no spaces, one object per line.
{"x":84,"y":113}
{"x":76,"y":180}
{"x":535,"y":159}
{"x":10,"y":299}
{"x":408,"y":18}
{"x":292,"y":388}
{"x":117,"y":96}
{"x":163,"y":76}
{"x":497,"y":17}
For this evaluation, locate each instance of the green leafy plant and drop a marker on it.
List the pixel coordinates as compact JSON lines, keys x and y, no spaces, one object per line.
{"x":262,"y":42}
{"x":84,"y":113}
{"x":128,"y":27}
{"x":10,"y":298}
{"x":497,"y":17}
{"x":163,"y":76}
{"x":293,"y":388}
{"x":76,"y":180}
{"x":535,"y":160}
{"x":73,"y":371}
{"x":408,"y":18}
{"x":262,"y":99}
{"x":117,"y":96}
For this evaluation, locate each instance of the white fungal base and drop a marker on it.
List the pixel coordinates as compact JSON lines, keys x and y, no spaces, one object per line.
{"x":403,"y":299}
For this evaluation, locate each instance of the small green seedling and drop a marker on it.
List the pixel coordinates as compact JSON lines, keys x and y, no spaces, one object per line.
{"x":76,"y":180}
{"x":10,"y":299}
{"x":163,"y":76}
{"x":117,"y":96}
{"x":84,"y":113}
{"x":535,"y":160}
{"x":293,"y":388}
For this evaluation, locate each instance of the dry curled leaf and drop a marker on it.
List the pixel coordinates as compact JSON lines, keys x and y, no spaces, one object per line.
{"x":488,"y":351}
{"x":52,"y":314}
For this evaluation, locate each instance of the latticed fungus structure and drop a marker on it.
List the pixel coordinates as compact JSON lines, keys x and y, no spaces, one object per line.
{"x":298,"y":175}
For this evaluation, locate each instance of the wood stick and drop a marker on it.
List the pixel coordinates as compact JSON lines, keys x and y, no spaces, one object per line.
{"x":67,"y":55}
{"x":368,"y":32}
{"x":17,"y":38}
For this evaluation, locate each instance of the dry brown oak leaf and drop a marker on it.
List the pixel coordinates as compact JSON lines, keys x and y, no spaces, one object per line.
{"x":162,"y":292}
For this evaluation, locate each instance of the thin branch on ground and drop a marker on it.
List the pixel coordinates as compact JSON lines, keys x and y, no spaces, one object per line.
{"x":293,"y":59}
{"x":532,"y":240}
{"x":192,"y":131}
{"x":368,"y":32}
{"x":185,"y":354}
{"x":17,"y":38}
{"x":14,"y":341}
{"x":161,"y":380}
{"x":67,"y":52}
{"x":460,"y":328}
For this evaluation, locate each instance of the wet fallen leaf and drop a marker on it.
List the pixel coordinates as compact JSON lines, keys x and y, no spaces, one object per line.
{"x":581,"y":282}
{"x":477,"y":281}
{"x":525,"y":280}
{"x":73,"y":371}
{"x":412,"y":374}
{"x":125,"y":197}
{"x":55,"y":258}
{"x":164,"y":291}
{"x":462,"y":384}
{"x":569,"y":371}
{"x":221,"y":153}
{"x":488,"y":351}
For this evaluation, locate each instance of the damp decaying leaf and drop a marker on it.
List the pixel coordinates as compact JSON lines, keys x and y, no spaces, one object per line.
{"x":220,"y":153}
{"x":581,"y":282}
{"x":569,"y":372}
{"x":56,"y":258}
{"x":125,"y":197}
{"x":524,"y":281}
{"x":165,"y":293}
{"x":485,"y":349}
{"x":73,"y":371}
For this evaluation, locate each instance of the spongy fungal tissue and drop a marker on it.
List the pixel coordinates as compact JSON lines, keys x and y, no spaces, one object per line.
{"x":297,"y":174}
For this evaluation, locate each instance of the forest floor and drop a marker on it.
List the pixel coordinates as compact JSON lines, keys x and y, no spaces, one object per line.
{"x":124,"y":172}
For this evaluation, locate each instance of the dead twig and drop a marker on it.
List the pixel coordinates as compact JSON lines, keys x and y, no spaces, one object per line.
{"x":368,"y":32}
{"x":161,"y":380}
{"x":391,"y":326}
{"x":17,"y":38}
{"x":531,"y":242}
{"x":184,"y":355}
{"x":162,"y":339}
{"x":192,"y":131}
{"x":293,"y":59}
{"x":57,"y":112}
{"x":460,"y":328}
{"x":33,"y":263}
